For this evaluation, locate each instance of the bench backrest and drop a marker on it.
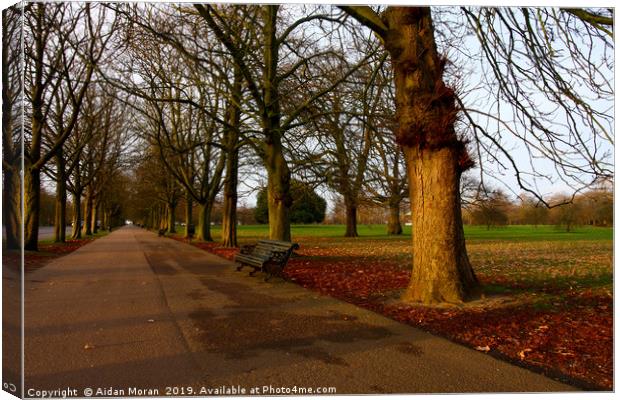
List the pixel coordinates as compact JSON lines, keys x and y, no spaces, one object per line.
{"x":264,"y":248}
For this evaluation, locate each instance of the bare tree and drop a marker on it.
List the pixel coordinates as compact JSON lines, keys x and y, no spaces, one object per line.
{"x":264,"y":77}
{"x":63,"y":42}
{"x":427,"y":112}
{"x":12,"y":36}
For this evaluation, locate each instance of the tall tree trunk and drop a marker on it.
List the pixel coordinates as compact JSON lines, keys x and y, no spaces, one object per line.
{"x":171,"y":214}
{"x":76,"y":232}
{"x":95,"y":216}
{"x":279,"y":198}
{"x":11,"y":206}
{"x":442,"y":272}
{"x":278,"y":174}
{"x":351,"y":218}
{"x":11,"y":165}
{"x":394,"y":226}
{"x":88,"y":210}
{"x":435,"y":159}
{"x":189,"y":220}
{"x":229,"y":216}
{"x":204,"y":222}
{"x":163,"y":221}
{"x":32,"y":208}
{"x":60,"y":216}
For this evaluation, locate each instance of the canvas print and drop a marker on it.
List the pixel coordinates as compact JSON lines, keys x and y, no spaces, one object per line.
{"x":306,"y":199}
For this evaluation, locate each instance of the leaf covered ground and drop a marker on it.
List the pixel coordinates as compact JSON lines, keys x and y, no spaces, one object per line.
{"x":547,"y":306}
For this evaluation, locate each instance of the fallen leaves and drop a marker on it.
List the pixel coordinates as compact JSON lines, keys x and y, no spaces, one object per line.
{"x":523,"y":353}
{"x":549,"y":314}
{"x":549,"y":304}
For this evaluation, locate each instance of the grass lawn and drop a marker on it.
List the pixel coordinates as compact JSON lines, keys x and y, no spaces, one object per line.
{"x":472,"y":233}
{"x":548,"y":301}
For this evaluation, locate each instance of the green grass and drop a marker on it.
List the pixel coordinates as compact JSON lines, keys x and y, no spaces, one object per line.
{"x":514,"y":233}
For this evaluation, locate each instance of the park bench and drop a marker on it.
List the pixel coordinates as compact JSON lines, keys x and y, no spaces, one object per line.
{"x":161,"y":232}
{"x":269,"y":256}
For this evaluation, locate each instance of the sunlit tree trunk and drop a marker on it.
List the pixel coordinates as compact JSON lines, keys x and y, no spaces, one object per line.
{"x":435,"y":160}
{"x":278,"y":174}
{"x":279,"y":199}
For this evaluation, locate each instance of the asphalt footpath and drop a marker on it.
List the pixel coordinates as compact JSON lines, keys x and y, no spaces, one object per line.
{"x":135,"y":314}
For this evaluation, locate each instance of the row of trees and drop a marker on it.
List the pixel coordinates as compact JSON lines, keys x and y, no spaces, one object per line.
{"x":73,"y":130}
{"x":594,"y":207}
{"x":368,"y":101}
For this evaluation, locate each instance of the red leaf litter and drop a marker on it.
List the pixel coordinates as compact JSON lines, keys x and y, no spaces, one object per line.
{"x":562,"y":332}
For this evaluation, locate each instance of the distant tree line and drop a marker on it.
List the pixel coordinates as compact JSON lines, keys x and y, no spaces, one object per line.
{"x":495,"y":209}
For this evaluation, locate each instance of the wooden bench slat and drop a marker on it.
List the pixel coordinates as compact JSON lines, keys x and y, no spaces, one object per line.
{"x":269,"y":256}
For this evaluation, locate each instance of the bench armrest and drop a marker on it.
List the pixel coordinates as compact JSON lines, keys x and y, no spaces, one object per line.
{"x":279,"y":257}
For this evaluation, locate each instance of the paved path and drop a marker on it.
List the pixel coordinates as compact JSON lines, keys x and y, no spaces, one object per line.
{"x":135,"y":310}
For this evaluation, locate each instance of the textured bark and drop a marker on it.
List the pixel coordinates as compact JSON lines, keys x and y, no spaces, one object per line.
{"x":32,"y":208}
{"x":351,"y":219}
{"x":60,"y":216}
{"x":204,"y":223}
{"x":394,"y":226}
{"x":278,"y":174}
{"x":435,"y":159}
{"x":278,"y":194}
{"x":441,"y":268}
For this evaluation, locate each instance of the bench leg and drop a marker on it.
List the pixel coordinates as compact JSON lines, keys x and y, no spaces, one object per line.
{"x":256,"y":269}
{"x":240,"y":267}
